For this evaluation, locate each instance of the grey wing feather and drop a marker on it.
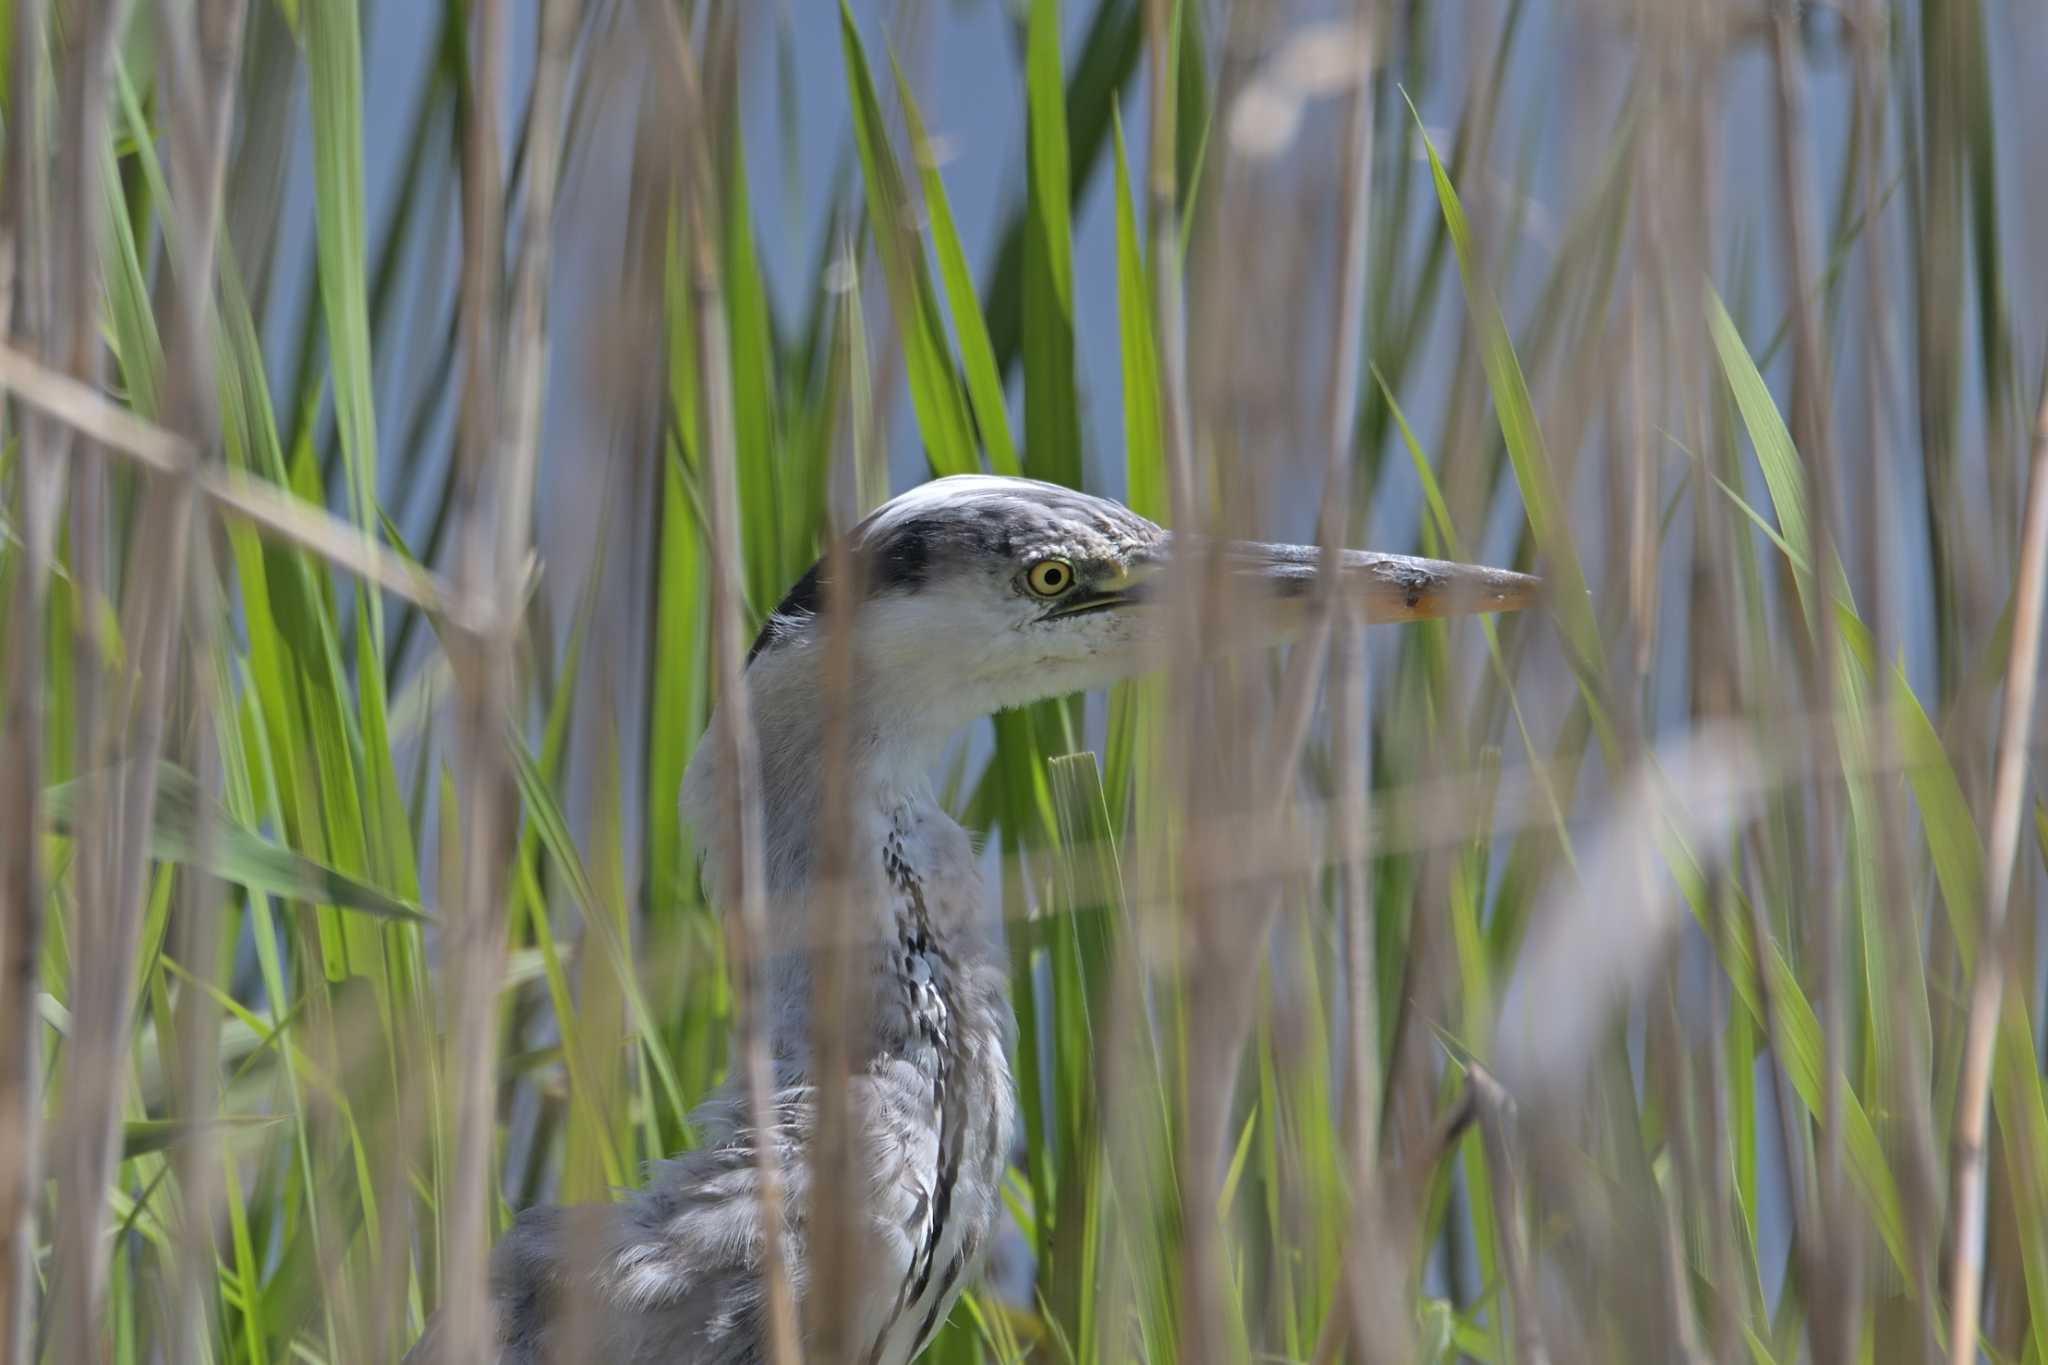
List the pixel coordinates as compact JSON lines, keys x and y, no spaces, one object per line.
{"x":671,"y":1276}
{"x":668,"y":1277}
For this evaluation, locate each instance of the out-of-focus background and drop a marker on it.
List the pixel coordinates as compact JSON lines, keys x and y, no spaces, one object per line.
{"x":1669,"y":995}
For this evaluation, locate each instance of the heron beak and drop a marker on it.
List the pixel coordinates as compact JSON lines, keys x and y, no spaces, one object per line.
{"x":1278,"y":584}
{"x":1131,"y":584}
{"x":1381,"y":587}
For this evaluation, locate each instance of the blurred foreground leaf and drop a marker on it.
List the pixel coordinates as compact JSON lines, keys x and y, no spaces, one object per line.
{"x":234,"y":853}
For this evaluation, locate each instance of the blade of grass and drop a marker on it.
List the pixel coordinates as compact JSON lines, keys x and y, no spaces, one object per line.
{"x":1144,"y":441}
{"x":942,"y":415}
{"x":978,"y":359}
{"x":1052,"y":420}
{"x":1527,"y":452}
{"x":334,"y":64}
{"x":1103,"y":67}
{"x":235,"y":853}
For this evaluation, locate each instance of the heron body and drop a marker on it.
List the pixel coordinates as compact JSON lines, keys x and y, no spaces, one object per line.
{"x":974,"y":594}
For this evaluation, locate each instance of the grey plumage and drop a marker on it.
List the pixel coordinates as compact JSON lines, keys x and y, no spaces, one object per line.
{"x":978,"y":594}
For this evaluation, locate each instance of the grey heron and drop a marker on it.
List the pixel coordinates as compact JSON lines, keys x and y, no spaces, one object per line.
{"x":977,"y":594}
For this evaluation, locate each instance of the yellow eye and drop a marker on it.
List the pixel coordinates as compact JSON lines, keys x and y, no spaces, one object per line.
{"x":1049,"y":577}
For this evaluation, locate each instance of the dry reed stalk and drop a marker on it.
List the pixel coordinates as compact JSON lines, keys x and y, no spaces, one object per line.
{"x":80,"y":408}
{"x":1377,"y":1254}
{"x":1828,"y":1251}
{"x":519,"y":435}
{"x":1912,"y":1141}
{"x":483,"y":667}
{"x":1678,"y":207}
{"x":1987,"y":986}
{"x":1470,"y":468}
{"x":1643,"y":484}
{"x":503,"y":389}
{"x":746,"y":924}
{"x":829,"y":1305}
{"x":198,"y":55}
{"x":1348,"y":48}
{"x":854,"y":489}
{"x":1273,"y":771}
{"x":1496,"y":1114}
{"x":1673,"y":1072}
{"x":1670,"y":1069}
{"x":38,"y":494}
{"x":1169,"y":322}
{"x":1218,"y":710}
{"x":112,"y":843}
{"x":1369,"y":1284}
{"x":1205,"y":709}
{"x":1350,"y":680}
{"x":527,"y":345}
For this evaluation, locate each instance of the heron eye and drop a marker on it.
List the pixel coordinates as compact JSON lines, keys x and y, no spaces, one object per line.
{"x":1049,"y":577}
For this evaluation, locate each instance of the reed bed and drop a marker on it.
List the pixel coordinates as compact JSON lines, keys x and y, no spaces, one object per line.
{"x":1652,"y":977}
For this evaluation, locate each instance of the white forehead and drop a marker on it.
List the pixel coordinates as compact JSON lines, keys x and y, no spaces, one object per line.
{"x":960,"y":490}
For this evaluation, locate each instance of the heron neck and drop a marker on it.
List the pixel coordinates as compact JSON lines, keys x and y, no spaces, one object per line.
{"x":884,"y":750}
{"x":901,"y":847}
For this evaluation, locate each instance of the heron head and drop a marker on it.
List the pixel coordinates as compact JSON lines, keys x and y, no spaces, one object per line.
{"x":975,"y":593}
